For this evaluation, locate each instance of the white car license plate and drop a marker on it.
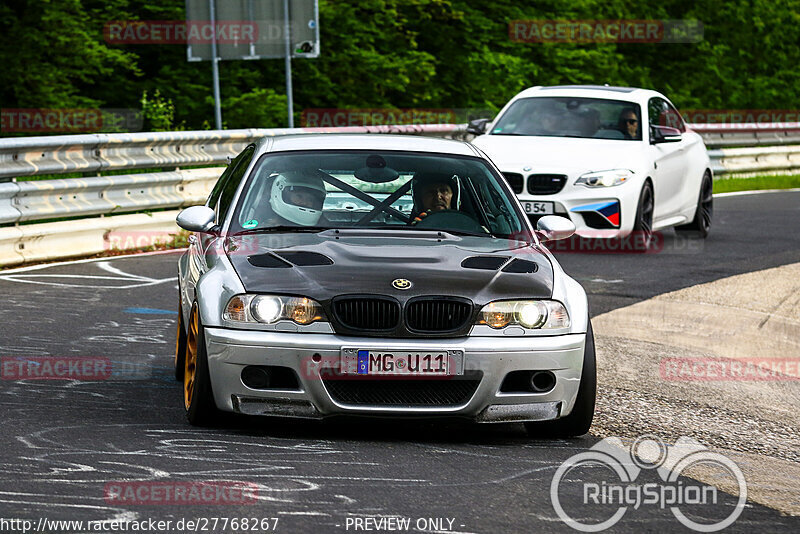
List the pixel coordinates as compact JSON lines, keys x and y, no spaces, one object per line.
{"x":401,"y":362}
{"x":538,"y":208}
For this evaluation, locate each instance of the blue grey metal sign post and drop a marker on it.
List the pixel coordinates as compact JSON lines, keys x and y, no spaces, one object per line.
{"x":215,"y":66}
{"x":252,"y":29}
{"x":287,"y":31}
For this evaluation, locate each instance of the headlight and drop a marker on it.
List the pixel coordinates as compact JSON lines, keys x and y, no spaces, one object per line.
{"x":269,"y":309}
{"x":539,"y":314}
{"x":605,"y":178}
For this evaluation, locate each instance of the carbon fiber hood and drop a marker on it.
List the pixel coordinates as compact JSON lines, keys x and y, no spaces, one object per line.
{"x":367,"y":262}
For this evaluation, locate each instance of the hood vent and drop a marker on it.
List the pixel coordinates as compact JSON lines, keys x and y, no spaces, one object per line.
{"x":284,"y":260}
{"x":268,"y":261}
{"x":487,"y":263}
{"x":304,"y":258}
{"x":521,"y":266}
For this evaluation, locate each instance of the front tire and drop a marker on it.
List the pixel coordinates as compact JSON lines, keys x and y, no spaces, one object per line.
{"x":198,"y":398}
{"x":580,"y":418}
{"x":701,"y":224}
{"x":644,"y":214}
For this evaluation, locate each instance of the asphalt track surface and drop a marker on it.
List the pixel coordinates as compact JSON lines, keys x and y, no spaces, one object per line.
{"x":63,"y":441}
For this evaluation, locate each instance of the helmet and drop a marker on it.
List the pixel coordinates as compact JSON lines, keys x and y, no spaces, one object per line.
{"x":284,"y":201}
{"x":423,"y":179}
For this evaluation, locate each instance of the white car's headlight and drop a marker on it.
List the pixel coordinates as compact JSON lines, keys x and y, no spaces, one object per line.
{"x":269,"y":309}
{"x":605,"y":178}
{"x":539,"y":314}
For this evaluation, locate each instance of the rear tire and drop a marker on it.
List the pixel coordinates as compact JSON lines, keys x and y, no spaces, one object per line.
{"x":580,"y":418}
{"x":701,"y":224}
{"x":198,"y":398}
{"x":180,"y":343}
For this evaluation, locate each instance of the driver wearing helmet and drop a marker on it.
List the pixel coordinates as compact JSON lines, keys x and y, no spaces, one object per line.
{"x":297,"y":198}
{"x":433,"y":192}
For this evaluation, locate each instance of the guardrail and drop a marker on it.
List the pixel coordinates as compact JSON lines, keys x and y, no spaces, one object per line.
{"x":110,"y":196}
{"x":752,"y":134}
{"x":751,"y":149}
{"x":766,"y":148}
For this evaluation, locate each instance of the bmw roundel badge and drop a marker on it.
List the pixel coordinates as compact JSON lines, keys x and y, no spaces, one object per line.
{"x":401,"y":283}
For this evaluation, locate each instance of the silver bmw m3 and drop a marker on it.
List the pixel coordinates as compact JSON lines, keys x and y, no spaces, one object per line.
{"x":378,"y":275}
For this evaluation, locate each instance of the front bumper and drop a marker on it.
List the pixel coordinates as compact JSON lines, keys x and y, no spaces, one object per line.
{"x":488,"y":358}
{"x":586,"y":207}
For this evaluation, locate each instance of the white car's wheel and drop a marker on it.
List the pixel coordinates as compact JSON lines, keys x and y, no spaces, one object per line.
{"x":701,"y":223}
{"x":644,"y":213}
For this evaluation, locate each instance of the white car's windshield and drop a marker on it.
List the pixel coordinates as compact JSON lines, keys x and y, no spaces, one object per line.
{"x":595,"y":118}
{"x":392,"y":190}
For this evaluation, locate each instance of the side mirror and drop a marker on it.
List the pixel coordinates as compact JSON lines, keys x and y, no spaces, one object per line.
{"x":477,"y":126}
{"x":664,"y":134}
{"x":554,"y":227}
{"x":197,"y":219}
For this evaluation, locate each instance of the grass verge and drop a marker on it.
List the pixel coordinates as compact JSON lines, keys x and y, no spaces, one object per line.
{"x":729,"y":185}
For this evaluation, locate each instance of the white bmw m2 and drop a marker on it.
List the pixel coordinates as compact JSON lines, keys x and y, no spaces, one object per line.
{"x":614,"y":160}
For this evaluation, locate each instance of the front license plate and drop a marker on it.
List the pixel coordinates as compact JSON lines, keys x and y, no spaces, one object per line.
{"x":538,"y":208}
{"x":401,"y":362}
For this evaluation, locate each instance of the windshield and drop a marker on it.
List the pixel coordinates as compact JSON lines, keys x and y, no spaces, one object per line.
{"x":593,"y":118}
{"x":375,"y":189}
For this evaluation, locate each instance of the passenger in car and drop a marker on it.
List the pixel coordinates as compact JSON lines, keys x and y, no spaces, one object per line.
{"x":295,"y":199}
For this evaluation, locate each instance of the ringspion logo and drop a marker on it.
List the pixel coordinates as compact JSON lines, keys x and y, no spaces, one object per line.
{"x":611,"y":478}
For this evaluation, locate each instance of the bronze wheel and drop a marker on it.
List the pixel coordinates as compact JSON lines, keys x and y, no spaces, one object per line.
{"x":180,"y":343}
{"x":198,"y":397}
{"x":190,"y":359}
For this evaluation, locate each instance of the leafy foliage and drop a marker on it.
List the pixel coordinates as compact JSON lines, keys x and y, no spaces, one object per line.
{"x":396,"y":53}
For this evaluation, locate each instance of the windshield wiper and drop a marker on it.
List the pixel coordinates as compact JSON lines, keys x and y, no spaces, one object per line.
{"x":282,"y":228}
{"x":507,"y":133}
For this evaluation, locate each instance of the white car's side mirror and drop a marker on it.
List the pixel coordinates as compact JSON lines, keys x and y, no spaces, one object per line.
{"x":553,"y":228}
{"x":664,"y":134}
{"x":196,"y":219}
